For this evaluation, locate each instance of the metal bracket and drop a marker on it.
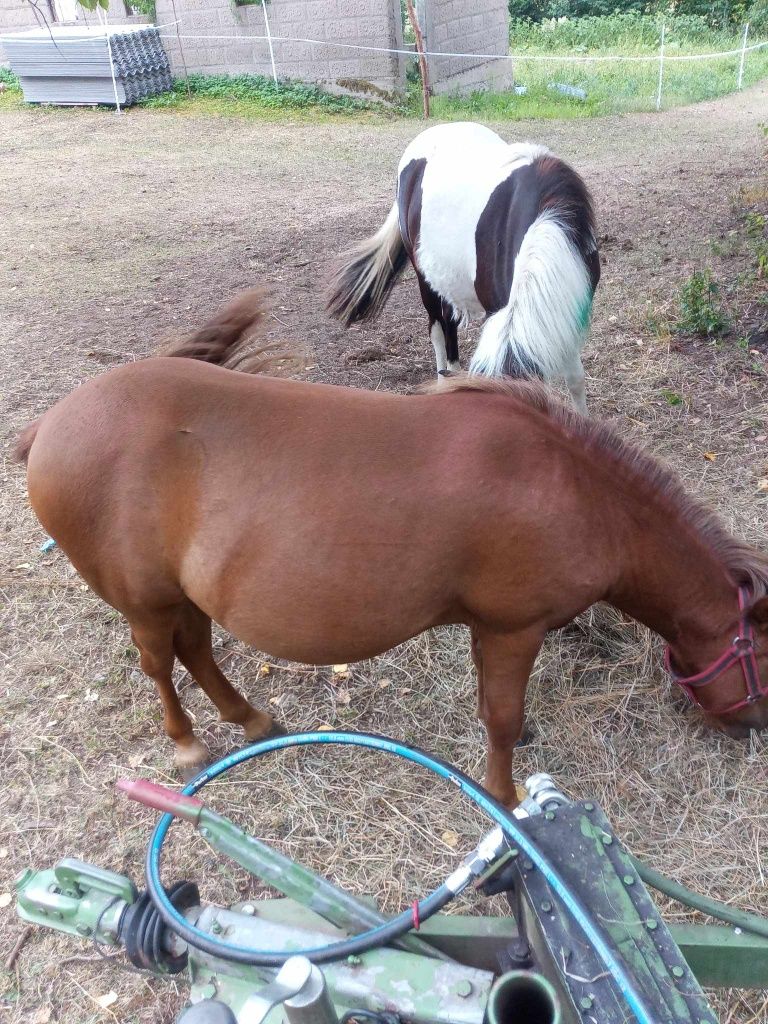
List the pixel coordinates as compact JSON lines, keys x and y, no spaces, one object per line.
{"x":297,"y":981}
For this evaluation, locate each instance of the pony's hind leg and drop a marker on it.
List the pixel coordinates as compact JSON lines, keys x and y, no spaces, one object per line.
{"x":154,"y":639}
{"x":192,"y":644}
{"x":437,"y":337}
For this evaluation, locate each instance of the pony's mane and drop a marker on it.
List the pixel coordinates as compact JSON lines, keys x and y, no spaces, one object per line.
{"x":744,"y":564}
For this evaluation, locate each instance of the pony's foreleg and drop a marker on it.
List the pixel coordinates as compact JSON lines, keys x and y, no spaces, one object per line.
{"x":451,"y":333}
{"x":442,"y":329}
{"x":476,"y":651}
{"x":574,"y":378}
{"x":506,"y":662}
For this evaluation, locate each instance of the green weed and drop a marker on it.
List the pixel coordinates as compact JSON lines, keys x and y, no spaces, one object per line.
{"x":700,"y":307}
{"x":243,"y":94}
{"x":757,"y":237}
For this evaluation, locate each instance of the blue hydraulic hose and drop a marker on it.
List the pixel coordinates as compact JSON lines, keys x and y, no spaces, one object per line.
{"x":470,"y":789}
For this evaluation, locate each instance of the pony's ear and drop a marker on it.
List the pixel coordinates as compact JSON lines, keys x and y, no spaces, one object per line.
{"x":759,"y":613}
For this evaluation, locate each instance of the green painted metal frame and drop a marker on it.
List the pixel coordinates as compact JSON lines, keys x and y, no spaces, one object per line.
{"x":720,"y":957}
{"x":90,"y":898}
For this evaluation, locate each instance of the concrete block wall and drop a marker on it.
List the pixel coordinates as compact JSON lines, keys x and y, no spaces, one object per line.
{"x":464,"y":26}
{"x":360,"y":22}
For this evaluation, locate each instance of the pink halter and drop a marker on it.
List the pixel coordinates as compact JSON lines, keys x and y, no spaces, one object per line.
{"x":741,"y":651}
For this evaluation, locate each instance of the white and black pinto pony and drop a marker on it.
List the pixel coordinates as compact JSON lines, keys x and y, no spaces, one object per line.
{"x":505,"y":232}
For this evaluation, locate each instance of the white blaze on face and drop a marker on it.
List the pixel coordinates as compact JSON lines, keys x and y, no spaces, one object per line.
{"x":465,"y":163}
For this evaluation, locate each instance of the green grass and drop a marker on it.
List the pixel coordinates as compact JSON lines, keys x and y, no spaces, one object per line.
{"x":613,"y":86}
{"x":10,"y":97}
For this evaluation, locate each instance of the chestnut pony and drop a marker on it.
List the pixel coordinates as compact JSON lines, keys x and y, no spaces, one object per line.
{"x":327,"y":524}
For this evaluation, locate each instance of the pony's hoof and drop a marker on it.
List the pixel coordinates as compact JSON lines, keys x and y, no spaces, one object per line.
{"x":527,"y":736}
{"x":190,"y":772}
{"x":191,"y":758}
{"x":262,"y":727}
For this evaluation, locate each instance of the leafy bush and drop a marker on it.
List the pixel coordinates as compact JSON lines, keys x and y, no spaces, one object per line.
{"x":145,"y":7}
{"x":757,"y":16}
{"x":8,"y":78}
{"x":716,"y":13}
{"x":621,"y":33}
{"x":700,"y":308}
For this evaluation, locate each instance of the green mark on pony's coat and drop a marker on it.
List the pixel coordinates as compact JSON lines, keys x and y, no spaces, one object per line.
{"x":585,"y":314}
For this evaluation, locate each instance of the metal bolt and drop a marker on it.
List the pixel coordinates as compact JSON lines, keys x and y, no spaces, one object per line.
{"x":216,"y":928}
{"x":629,"y":880}
{"x":586,"y":1002}
{"x":607,"y":840}
{"x":678,"y":972}
{"x":464,"y":989}
{"x":248,"y":908}
{"x":589,"y":807}
{"x":354,"y":961}
{"x":549,"y":815}
{"x":546,"y":906}
{"x":651,"y":925}
{"x":83,"y":929}
{"x":528,"y":865}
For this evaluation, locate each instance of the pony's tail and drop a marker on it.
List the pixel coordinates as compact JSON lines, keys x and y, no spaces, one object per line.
{"x":223,"y":339}
{"x":366,"y":274}
{"x":25,"y":441}
{"x":542,"y":328}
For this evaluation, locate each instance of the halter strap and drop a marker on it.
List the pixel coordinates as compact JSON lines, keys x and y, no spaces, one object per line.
{"x":741,"y":651}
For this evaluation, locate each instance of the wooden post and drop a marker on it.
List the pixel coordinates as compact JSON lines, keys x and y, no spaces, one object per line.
{"x":422,"y":59}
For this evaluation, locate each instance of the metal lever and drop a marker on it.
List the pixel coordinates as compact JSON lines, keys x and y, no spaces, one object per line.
{"x":300,"y":986}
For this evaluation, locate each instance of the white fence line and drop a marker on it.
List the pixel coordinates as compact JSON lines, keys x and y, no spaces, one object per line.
{"x":555,"y":58}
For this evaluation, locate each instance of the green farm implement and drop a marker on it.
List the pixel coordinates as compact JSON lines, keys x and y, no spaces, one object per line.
{"x":583,"y":942}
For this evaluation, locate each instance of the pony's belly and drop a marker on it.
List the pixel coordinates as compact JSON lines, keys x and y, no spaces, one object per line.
{"x":452,"y":279}
{"x":322,"y":609}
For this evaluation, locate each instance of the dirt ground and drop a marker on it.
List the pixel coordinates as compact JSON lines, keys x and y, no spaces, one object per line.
{"x":114,"y":233}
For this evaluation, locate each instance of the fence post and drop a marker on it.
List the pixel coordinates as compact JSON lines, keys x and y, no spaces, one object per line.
{"x":661,"y":66}
{"x":269,"y":40}
{"x":422,"y":59}
{"x":743,"y":55}
{"x":109,"y":54}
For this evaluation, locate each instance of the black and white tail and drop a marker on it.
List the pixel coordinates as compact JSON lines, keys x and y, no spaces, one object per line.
{"x":366,"y":274}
